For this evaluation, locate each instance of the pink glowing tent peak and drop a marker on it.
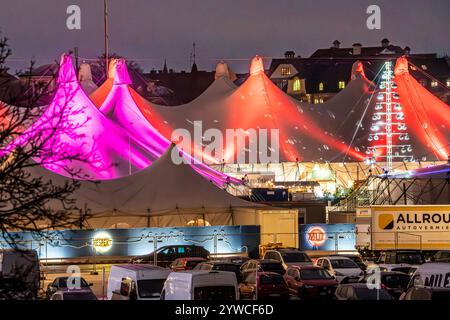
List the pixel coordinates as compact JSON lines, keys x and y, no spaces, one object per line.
{"x":77,"y":139}
{"x":119,"y":106}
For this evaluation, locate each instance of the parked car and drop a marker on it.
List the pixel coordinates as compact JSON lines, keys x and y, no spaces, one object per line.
{"x":423,"y":293}
{"x":136,"y":282}
{"x":288,"y":257}
{"x":394,"y":282}
{"x":263,"y":285}
{"x":356,"y":258}
{"x":264,"y":265}
{"x":167,"y":254}
{"x":200,"y":285}
{"x":19,"y":274}
{"x":340,"y":267}
{"x":360,"y":291}
{"x":60,"y":283}
{"x":310,"y":282}
{"x":220,"y":266}
{"x":73,"y":294}
{"x":399,"y":260}
{"x":442,"y":256}
{"x":181,"y":264}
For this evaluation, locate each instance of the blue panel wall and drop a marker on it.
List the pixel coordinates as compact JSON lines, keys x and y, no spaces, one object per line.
{"x":327,"y":237}
{"x":132,"y":242}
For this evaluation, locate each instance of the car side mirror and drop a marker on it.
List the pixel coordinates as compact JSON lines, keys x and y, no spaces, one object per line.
{"x":90,"y":284}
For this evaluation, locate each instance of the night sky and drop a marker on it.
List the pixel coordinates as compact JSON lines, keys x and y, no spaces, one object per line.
{"x":150,"y":30}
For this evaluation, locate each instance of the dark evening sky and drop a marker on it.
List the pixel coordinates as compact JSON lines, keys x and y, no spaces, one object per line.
{"x":151,"y":30}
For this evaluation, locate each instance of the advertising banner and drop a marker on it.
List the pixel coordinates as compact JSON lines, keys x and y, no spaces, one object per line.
{"x":327,"y":237}
{"x":411,"y":227}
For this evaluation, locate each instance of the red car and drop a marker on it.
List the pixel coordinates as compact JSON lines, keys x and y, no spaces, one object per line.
{"x":310,"y":282}
{"x":268,"y":285}
{"x":182,"y":264}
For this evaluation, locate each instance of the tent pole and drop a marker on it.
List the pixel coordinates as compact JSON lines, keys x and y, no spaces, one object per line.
{"x":105,"y":12}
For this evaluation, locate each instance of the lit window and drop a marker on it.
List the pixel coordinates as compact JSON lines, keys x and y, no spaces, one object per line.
{"x":434,"y":83}
{"x":341,"y":84}
{"x":424,"y":67}
{"x":321,"y":86}
{"x":448,"y":82}
{"x":296,"y":86}
{"x":285,"y":71}
{"x":423,"y":82}
{"x":321,"y":100}
{"x":316,"y":101}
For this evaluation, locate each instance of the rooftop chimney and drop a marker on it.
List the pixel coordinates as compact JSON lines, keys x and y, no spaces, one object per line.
{"x":357,"y":49}
{"x":385,"y":43}
{"x":336,"y":44}
{"x":289,"y":54}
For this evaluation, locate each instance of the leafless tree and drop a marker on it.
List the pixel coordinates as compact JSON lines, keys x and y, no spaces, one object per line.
{"x":30,"y":139}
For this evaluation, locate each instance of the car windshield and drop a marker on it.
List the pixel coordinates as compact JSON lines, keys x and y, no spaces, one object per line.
{"x":314,"y":274}
{"x":62,"y":282}
{"x":150,"y":288}
{"x":372,"y":294}
{"x":192,"y":263}
{"x":79,"y":296}
{"x":409,"y":258}
{"x":273,"y":267}
{"x":271,"y":279}
{"x":227,"y":267}
{"x":343,"y":264}
{"x":215,"y":293}
{"x":295,"y":257}
{"x":396,"y":281}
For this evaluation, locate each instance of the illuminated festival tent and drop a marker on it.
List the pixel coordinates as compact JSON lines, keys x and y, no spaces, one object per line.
{"x":85,"y":78}
{"x":256,"y":104}
{"x":85,"y":142}
{"x":428,"y":116}
{"x":120,"y":107}
{"x":164,"y":194}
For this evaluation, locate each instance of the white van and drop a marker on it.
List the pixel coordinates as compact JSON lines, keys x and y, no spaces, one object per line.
{"x":432,"y":275}
{"x":201,"y":285}
{"x":136,"y":282}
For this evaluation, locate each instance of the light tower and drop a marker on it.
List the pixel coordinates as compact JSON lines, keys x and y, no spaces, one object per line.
{"x":389,"y":137}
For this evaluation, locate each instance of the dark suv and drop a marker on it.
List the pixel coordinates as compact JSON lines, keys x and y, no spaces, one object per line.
{"x":167,"y":254}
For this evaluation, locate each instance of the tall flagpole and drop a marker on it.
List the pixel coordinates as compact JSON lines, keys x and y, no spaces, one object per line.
{"x":105,"y":11}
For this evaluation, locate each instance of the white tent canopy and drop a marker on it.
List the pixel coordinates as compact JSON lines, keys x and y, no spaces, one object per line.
{"x":85,"y":78}
{"x":164,"y":194}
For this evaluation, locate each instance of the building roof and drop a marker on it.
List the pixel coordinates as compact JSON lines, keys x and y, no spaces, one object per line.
{"x":365,"y":51}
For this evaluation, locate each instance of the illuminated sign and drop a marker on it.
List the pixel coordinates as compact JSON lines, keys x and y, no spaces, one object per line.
{"x":327,"y":237}
{"x":102,"y":242}
{"x":316,"y":236}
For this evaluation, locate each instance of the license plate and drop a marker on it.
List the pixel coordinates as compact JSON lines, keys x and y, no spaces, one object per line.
{"x":274,"y":295}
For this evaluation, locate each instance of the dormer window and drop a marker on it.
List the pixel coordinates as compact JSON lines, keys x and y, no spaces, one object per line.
{"x":321,"y":86}
{"x":424,"y":67}
{"x":285,"y":71}
{"x":423,"y":82}
{"x":341,"y":84}
{"x":434,"y":84}
{"x":296,"y":85}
